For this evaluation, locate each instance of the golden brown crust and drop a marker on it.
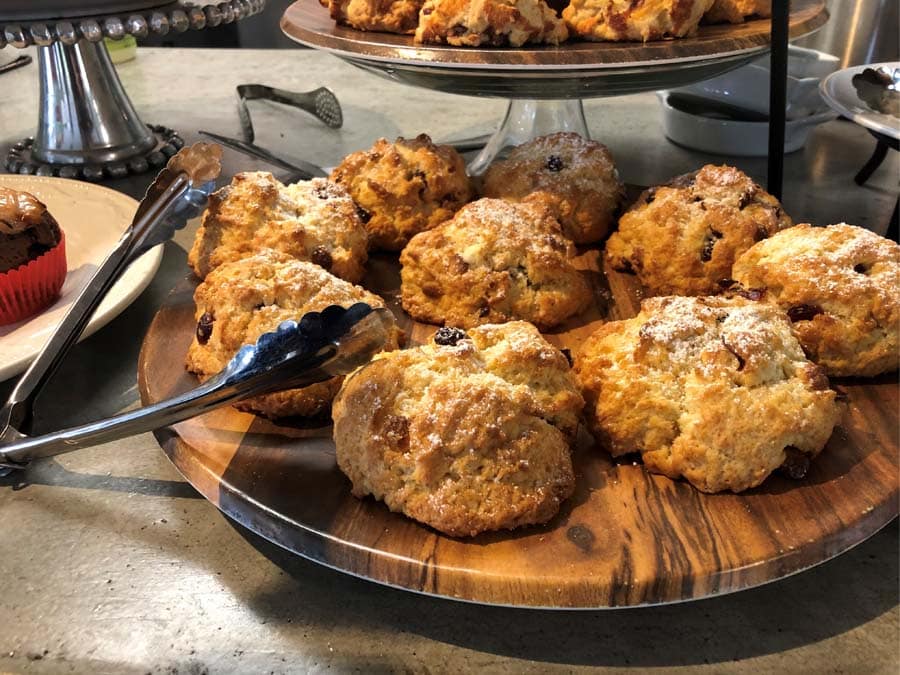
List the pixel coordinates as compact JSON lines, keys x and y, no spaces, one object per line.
{"x":495,"y":261}
{"x":683,"y":238}
{"x":712,"y":389}
{"x":465,"y":437}
{"x":389,"y":16}
{"x":840,"y":286}
{"x":312,"y":220}
{"x":241,"y":300}
{"x":472,"y":23}
{"x":736,"y":11}
{"x":628,"y":20}
{"x":574,"y":177}
{"x":404,"y":188}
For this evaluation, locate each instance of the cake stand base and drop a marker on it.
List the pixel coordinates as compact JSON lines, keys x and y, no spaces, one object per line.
{"x":22,"y":158}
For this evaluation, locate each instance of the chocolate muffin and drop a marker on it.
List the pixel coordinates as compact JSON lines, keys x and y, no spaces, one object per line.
{"x":27,"y":230}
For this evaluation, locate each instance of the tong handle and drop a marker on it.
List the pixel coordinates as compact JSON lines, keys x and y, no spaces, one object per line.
{"x":17,"y":412}
{"x":297,"y":354}
{"x":215,"y":392}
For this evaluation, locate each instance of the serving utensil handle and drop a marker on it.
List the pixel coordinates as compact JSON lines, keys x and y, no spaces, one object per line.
{"x":320,"y":346}
{"x":17,"y":411}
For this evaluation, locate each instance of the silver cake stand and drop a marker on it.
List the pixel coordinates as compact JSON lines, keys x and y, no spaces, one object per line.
{"x":545,"y":85}
{"x":87,"y":126}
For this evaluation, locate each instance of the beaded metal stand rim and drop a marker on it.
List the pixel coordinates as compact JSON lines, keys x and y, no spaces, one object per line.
{"x":160,"y":20}
{"x":19,"y":160}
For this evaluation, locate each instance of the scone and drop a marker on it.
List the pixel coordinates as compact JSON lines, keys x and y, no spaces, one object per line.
{"x":573,"y":176}
{"x":713,"y":389}
{"x":840,"y":285}
{"x":241,"y":300}
{"x":311,"y":220}
{"x":628,"y":20}
{"x":736,"y":11}
{"x":388,"y":16}
{"x":472,"y":23}
{"x":682,"y":238}
{"x":468,"y":433}
{"x":404,"y":187}
{"x":495,"y":261}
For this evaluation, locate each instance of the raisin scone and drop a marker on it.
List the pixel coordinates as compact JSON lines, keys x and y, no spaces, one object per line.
{"x":241,"y":300}
{"x":573,"y":176}
{"x":619,"y":20}
{"x":717,"y":390}
{"x":403,"y":188}
{"x":311,"y":220}
{"x":472,"y":23}
{"x":468,"y":433}
{"x":737,"y":11}
{"x":683,"y":237}
{"x":840,"y":286}
{"x":386,"y":16}
{"x":494,"y":261}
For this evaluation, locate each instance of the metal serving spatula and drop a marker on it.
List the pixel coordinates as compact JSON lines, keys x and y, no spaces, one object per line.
{"x":320,"y":346}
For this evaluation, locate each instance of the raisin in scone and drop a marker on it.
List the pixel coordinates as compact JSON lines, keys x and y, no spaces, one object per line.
{"x":840,"y":286}
{"x":241,"y":300}
{"x":495,"y":261}
{"x":713,"y":389}
{"x":737,"y":11}
{"x":647,"y":20}
{"x":311,"y":220}
{"x":472,"y":23}
{"x":573,"y":176}
{"x":403,"y":188}
{"x":683,"y":237}
{"x":468,"y":433}
{"x":387,"y":16}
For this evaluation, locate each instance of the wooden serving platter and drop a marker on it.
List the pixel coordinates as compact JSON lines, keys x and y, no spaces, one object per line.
{"x":625,"y":538}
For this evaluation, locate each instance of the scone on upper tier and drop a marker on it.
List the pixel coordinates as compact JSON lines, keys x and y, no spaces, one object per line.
{"x":311,"y":220}
{"x":468,"y":433}
{"x":471,"y":23}
{"x":840,"y":285}
{"x":628,"y":20}
{"x":736,"y":11}
{"x":388,"y":16}
{"x":241,"y":300}
{"x":713,"y":389}
{"x":573,"y":176}
{"x":683,"y":237}
{"x":404,"y":187}
{"x":495,"y":261}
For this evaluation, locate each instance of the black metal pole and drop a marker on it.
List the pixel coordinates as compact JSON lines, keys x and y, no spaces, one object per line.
{"x":781,"y":10}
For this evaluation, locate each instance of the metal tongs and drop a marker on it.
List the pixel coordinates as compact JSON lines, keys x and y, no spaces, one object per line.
{"x":320,"y":346}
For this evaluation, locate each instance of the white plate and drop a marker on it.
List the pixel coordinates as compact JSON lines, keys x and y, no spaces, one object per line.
{"x":93,"y":218}
{"x":838,"y":91}
{"x":733,"y":137}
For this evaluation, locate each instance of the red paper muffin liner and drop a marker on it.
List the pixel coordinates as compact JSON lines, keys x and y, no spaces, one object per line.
{"x":28,"y":289}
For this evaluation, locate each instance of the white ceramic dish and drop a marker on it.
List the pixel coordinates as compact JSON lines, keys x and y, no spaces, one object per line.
{"x":733,"y":137}
{"x":838,"y":91}
{"x":93,"y":218}
{"x":748,"y":87}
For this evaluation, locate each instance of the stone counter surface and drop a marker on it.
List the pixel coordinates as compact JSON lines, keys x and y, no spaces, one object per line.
{"x":111,"y":563}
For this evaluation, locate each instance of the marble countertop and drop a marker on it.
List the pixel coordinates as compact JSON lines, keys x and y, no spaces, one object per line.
{"x":111,"y":563}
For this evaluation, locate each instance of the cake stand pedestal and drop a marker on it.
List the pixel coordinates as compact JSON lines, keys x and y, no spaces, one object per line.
{"x":87,"y":126}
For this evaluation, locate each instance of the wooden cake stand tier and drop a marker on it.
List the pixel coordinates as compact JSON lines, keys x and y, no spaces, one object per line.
{"x":571,"y":70}
{"x":625,"y":538}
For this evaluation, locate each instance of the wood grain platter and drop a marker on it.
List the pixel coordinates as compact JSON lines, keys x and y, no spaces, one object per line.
{"x":307,"y":22}
{"x":625,"y":538}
